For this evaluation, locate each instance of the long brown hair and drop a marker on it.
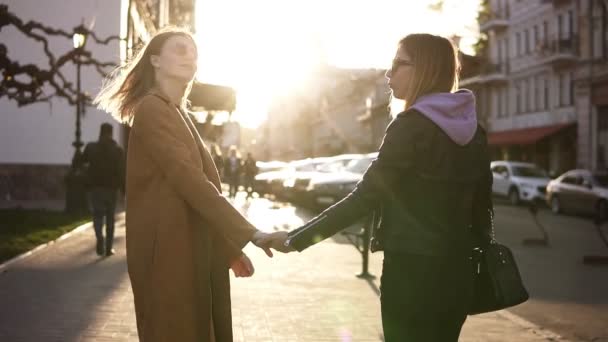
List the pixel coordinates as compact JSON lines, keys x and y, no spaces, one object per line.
{"x":436,"y":66}
{"x":127,"y":84}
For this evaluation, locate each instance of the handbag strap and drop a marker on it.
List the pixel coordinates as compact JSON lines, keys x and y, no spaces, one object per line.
{"x":492,"y":231}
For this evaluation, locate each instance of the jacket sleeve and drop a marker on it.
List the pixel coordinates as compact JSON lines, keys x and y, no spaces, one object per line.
{"x":395,"y":156}
{"x":483,"y":207}
{"x":156,"y":127}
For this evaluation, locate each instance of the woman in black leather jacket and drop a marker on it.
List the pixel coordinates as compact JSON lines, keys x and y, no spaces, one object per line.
{"x":432,"y":184}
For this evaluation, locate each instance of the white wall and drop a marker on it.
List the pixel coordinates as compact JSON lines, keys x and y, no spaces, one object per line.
{"x":41,"y":133}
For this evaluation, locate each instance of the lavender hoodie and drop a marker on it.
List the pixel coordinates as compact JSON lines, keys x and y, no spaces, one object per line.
{"x":454,"y":113}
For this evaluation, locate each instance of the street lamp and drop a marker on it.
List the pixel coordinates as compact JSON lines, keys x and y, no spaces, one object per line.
{"x":80,"y":38}
{"x":75,"y":180}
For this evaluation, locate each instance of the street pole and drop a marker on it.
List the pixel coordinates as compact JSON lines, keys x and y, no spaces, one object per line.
{"x":78,"y":143}
{"x":75,"y":199}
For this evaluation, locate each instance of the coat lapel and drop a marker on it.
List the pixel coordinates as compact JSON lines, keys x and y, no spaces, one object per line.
{"x":208,"y":164}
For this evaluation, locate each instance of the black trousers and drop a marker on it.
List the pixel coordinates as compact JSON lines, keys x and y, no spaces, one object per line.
{"x":424,"y":298}
{"x":103,"y":206}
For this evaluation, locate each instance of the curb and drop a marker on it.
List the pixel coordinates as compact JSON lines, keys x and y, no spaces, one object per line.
{"x":535,"y":329}
{"x":5,"y":265}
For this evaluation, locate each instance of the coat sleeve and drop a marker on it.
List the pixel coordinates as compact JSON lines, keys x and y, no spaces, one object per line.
{"x":156,"y":128}
{"x":483,"y":207}
{"x":395,"y":156}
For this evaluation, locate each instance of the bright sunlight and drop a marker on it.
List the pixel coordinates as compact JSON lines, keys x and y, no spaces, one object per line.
{"x":267,"y":47}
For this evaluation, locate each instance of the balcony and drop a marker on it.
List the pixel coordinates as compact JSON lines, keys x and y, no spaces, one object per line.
{"x":493,"y":73}
{"x":494,"y":21}
{"x":557,"y":3}
{"x":488,"y":74}
{"x":559,"y":52}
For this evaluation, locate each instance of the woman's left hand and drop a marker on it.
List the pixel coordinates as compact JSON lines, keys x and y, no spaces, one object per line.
{"x":242,"y":267}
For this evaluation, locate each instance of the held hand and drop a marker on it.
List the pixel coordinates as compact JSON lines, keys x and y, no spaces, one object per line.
{"x":260,"y":239}
{"x":242,"y":267}
{"x":277,"y":241}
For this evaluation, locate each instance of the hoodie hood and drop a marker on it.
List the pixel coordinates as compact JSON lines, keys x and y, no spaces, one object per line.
{"x":454,"y":113}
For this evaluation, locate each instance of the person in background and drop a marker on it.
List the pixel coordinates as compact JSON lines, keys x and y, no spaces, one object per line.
{"x":250,"y":170}
{"x":232,"y":170}
{"x":105,"y":173}
{"x":218,"y":159}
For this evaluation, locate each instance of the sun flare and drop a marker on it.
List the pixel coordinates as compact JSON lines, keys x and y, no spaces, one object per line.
{"x":268,"y":47}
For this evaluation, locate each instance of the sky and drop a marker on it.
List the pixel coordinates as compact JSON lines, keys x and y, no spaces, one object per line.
{"x":264,"y":47}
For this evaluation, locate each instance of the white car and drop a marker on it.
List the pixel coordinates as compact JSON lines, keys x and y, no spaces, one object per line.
{"x":519,"y":181}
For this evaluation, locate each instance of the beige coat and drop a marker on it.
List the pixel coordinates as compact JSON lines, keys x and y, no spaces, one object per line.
{"x":181,"y":232}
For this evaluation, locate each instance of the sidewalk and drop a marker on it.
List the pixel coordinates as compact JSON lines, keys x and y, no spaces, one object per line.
{"x":66,"y":293}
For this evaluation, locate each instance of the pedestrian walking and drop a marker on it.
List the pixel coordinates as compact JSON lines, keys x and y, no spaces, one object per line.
{"x":232,"y":170}
{"x":105,"y":177}
{"x":250,"y":170}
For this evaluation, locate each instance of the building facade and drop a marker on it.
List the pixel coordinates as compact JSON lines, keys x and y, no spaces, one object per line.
{"x":526,"y":87}
{"x":591,"y":95}
{"x":337,"y":111}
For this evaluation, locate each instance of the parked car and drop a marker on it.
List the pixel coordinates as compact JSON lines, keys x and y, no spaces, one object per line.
{"x":296,"y":184}
{"x":579,"y":191}
{"x":519,"y":181}
{"x":328,"y":188}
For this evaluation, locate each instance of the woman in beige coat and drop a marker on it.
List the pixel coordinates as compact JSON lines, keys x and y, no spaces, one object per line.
{"x":182,"y":234}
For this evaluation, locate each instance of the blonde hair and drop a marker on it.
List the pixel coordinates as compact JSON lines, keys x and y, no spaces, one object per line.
{"x":436,"y":65}
{"x":127,"y":84}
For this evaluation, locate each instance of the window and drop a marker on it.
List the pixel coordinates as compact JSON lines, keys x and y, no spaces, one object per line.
{"x":517,"y":99}
{"x":546,"y":94}
{"x":536,"y":38}
{"x":526,"y":91}
{"x":499,"y":52}
{"x":518,"y":43}
{"x":527,"y":40}
{"x":570,"y":24}
{"x":570,"y":179}
{"x":506,"y":100}
{"x":528,"y":171}
{"x":560,"y":93}
{"x":600,"y":179}
{"x":537,"y":93}
{"x":560,"y":22}
{"x":571,"y":92}
{"x":545,"y":33}
{"x":604,"y":31}
{"x":500,"y":169}
{"x":499,"y":101}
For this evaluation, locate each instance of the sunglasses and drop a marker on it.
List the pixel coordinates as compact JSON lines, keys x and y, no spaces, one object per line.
{"x":399,"y":62}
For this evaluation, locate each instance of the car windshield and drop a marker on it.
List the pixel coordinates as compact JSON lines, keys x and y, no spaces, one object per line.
{"x":529,"y":171}
{"x":359,"y":165}
{"x":601,"y":180}
{"x":331,"y":167}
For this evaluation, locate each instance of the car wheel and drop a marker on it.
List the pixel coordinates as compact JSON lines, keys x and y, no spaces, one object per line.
{"x":556,"y":205}
{"x":602,"y":210}
{"x":514,"y":196}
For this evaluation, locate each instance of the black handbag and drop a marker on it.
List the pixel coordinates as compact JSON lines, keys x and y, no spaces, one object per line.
{"x":497,"y":281}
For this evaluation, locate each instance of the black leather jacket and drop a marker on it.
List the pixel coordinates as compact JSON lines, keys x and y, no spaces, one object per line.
{"x":433,"y":195}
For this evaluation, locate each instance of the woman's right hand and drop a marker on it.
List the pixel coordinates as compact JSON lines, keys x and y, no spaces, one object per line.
{"x":260,"y":239}
{"x":275,"y":240}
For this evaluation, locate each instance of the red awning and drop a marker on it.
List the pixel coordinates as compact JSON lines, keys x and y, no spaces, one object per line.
{"x":525,"y":136}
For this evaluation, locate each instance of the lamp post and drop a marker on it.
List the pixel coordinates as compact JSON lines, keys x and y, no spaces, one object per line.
{"x":79,"y":38}
{"x":75,"y":180}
